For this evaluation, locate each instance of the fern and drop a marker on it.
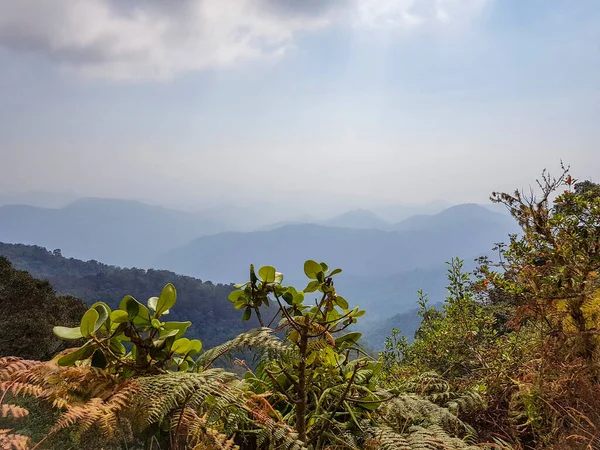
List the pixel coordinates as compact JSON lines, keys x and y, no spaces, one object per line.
{"x":11,"y":441}
{"x":259,"y":338}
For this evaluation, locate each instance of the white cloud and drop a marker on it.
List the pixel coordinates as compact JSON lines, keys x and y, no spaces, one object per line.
{"x":125,"y":39}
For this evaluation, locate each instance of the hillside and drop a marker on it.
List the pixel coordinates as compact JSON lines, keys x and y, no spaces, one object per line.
{"x":226,"y":256}
{"x":30,"y":308}
{"x":464,"y":215}
{"x":123,"y":232}
{"x":203,"y":303}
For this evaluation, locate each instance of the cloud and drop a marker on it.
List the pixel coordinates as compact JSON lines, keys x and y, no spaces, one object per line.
{"x":157,"y":39}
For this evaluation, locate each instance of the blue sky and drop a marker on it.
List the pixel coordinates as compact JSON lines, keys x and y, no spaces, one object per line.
{"x":359,"y":102}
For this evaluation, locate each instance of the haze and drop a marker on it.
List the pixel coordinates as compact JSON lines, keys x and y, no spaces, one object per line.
{"x":331,"y":103}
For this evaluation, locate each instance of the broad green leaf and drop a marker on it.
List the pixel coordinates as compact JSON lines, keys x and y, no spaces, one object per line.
{"x":247,"y":314}
{"x":152,"y":303}
{"x":88,"y":322}
{"x":235,"y":295}
{"x":267,"y":274}
{"x":103,"y":314}
{"x":194,"y":347}
{"x":68,"y":333}
{"x":341,"y":302}
{"x":239,"y":304}
{"x":119,"y":316}
{"x":81,"y":353}
{"x":117,"y":347}
{"x":325,"y":267}
{"x":298,"y":298}
{"x":155,"y":323}
{"x":288,"y":297}
{"x":240,"y":285}
{"x":294,"y":336}
{"x":335,"y":272}
{"x":312,"y":268}
{"x":278,"y":277}
{"x":181,"y":345}
{"x":350,"y":337}
{"x":181,"y":327}
{"x":184,"y":366}
{"x":166,"y":300}
{"x":131,"y":305}
{"x":312,"y":286}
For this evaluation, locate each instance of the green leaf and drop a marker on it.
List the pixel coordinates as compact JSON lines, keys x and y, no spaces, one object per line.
{"x":68,"y":333}
{"x":341,"y":302}
{"x":253,"y":278}
{"x":239,"y":304}
{"x":88,"y":322}
{"x":294,"y":336}
{"x":81,"y":353}
{"x":247,"y":314}
{"x":155,"y":323}
{"x":117,"y":347}
{"x":335,"y":272}
{"x":312,"y":286}
{"x":119,"y":316}
{"x":240,"y":285}
{"x":103,"y":313}
{"x":325,"y":267}
{"x":298,"y":298}
{"x":350,"y":337}
{"x":267,"y":274}
{"x":166,"y":300}
{"x":194,"y":347}
{"x":184,"y":366}
{"x":278,"y":277}
{"x":359,"y":313}
{"x":131,"y":305}
{"x":181,"y":345}
{"x":181,"y":327}
{"x":288,"y":297}
{"x":312,"y":268}
{"x":235,"y":295}
{"x":152,"y":303}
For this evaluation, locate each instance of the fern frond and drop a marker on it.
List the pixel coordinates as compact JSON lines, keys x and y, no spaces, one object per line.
{"x":11,"y":441}
{"x":259,"y":338}
{"x":13,"y":411}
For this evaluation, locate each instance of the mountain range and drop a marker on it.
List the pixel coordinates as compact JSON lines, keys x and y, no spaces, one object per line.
{"x":122,"y":232}
{"x":384,"y":263}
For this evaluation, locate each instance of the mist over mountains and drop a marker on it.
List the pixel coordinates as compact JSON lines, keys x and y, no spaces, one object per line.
{"x":384,"y":263}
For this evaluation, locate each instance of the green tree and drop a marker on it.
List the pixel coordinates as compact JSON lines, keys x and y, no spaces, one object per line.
{"x":30,"y":309}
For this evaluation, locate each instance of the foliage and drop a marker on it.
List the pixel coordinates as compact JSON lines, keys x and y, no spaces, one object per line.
{"x":199,"y":302}
{"x":137,"y":379}
{"x":522,"y":332}
{"x":30,"y":308}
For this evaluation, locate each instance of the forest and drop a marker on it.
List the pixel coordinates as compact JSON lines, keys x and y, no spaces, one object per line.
{"x":509,"y":361}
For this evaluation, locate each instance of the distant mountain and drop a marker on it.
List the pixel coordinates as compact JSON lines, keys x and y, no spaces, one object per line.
{"x":226,"y":256}
{"x":467,"y":214}
{"x":122,"y":232}
{"x":396,"y":213}
{"x":359,"y":219}
{"x":40,"y":199}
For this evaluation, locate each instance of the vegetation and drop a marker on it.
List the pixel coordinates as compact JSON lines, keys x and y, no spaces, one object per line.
{"x":199,"y":302}
{"x":510,"y":360}
{"x":30,"y":335}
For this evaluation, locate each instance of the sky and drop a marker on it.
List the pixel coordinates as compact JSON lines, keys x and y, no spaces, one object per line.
{"x":300,"y":102}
